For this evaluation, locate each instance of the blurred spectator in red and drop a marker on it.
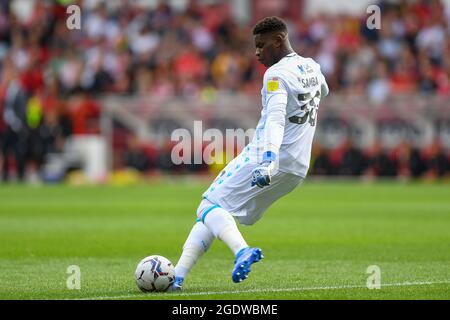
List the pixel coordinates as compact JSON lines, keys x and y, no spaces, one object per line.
{"x":402,"y":81}
{"x":85,"y":113}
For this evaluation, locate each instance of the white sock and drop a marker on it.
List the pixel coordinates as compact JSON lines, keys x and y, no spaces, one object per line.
{"x":222,"y":225}
{"x":197,"y":243}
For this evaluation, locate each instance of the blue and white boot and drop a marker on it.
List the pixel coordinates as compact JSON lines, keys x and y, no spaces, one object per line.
{"x":177,"y":285}
{"x":244,"y":259}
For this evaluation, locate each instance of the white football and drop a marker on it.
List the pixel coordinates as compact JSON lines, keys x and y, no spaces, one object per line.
{"x":154,"y":273}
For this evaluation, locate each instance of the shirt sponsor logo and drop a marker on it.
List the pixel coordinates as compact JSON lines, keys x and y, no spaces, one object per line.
{"x":304,"y":69}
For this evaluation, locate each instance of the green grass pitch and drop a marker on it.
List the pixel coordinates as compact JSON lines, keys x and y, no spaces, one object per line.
{"x":318,"y":241}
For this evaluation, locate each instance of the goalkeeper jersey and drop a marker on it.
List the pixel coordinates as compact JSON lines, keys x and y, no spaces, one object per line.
{"x":291,"y":94}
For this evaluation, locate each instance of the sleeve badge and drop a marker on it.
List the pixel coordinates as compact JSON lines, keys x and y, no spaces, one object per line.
{"x":273,"y":84}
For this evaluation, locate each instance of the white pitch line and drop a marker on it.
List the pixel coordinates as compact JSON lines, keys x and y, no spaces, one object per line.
{"x":206,"y":293}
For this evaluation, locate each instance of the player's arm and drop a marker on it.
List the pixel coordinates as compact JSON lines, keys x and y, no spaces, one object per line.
{"x":276,"y":95}
{"x":276,"y":117}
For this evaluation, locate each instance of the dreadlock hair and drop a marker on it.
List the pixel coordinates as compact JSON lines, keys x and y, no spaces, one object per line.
{"x":269,"y":24}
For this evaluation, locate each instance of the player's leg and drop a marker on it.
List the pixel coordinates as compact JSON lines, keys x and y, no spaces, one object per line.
{"x":257,"y":201}
{"x":197,"y":243}
{"x":222,"y":224}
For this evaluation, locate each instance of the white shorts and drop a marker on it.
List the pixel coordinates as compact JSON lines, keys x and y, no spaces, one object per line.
{"x":232,"y":191}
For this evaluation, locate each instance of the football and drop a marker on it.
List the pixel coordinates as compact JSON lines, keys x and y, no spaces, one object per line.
{"x":154,"y":273}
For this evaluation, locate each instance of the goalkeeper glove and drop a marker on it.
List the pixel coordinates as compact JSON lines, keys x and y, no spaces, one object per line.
{"x":262,"y":175}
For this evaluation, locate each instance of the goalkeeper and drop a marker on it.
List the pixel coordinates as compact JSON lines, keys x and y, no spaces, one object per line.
{"x":272,"y":165}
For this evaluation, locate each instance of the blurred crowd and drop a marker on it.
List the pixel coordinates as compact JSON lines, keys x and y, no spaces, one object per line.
{"x":50,"y":75}
{"x":345,"y":160}
{"x":403,"y":161}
